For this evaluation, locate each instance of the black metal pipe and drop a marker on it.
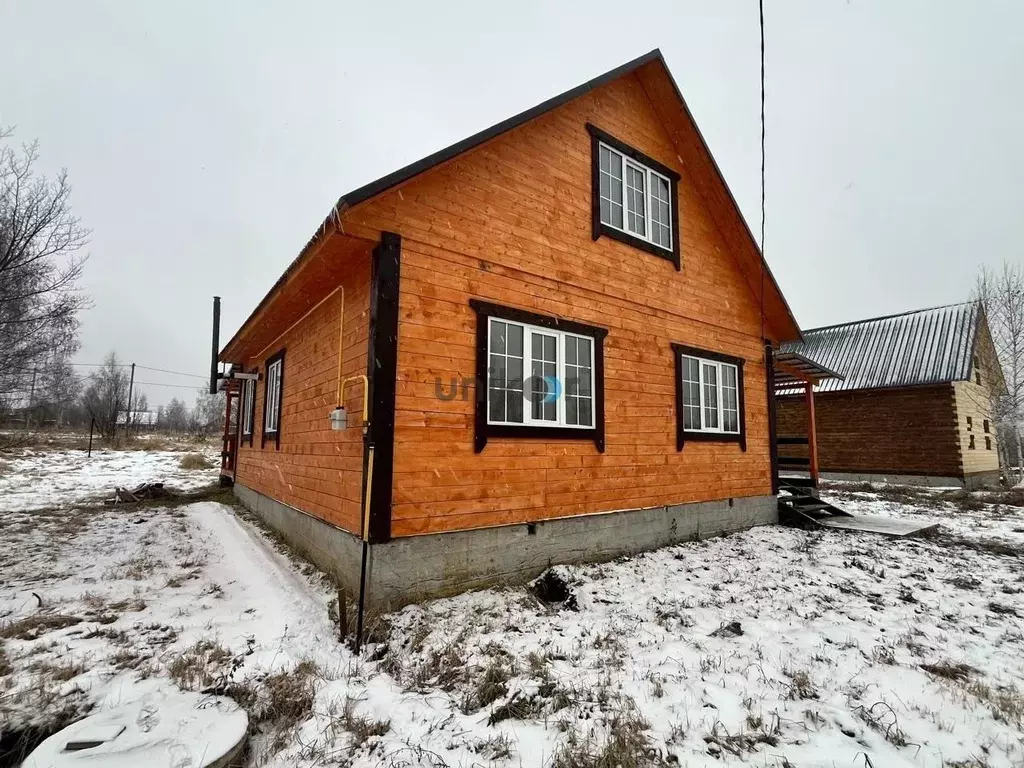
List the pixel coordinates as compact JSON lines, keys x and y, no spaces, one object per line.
{"x":362,"y":597}
{"x":215,"y":351}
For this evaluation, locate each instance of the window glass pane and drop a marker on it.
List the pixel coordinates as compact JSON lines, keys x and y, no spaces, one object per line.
{"x":636,"y":220}
{"x":586,"y":412}
{"x":505,"y":373}
{"x":611,"y":187}
{"x":691,"y":393}
{"x":497,"y":404}
{"x":498,"y":331}
{"x":709,"y":373}
{"x":515,"y":340}
{"x":660,"y":222}
{"x":544,"y":369}
{"x":584,"y":350}
{"x":730,"y":399}
{"x":514,"y":373}
{"x":572,"y":410}
{"x":570,"y":350}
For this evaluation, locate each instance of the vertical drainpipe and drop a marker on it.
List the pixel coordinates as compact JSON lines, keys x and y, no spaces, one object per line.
{"x":773,"y":437}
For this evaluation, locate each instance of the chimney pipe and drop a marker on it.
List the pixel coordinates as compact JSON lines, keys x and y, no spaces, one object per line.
{"x":215,"y":346}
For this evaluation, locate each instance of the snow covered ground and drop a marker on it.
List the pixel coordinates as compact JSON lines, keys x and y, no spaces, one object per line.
{"x":40,"y":479}
{"x":774,"y":647}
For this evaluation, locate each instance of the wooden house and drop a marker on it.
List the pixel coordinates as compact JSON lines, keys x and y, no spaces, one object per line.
{"x":549,"y":342}
{"x":912,"y":402}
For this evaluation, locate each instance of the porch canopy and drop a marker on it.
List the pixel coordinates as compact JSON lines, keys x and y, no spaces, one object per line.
{"x":796,"y":374}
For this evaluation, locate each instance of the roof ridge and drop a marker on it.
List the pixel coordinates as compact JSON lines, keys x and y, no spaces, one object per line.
{"x":889,"y":317}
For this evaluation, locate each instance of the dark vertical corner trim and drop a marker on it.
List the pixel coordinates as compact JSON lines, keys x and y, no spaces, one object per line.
{"x":677,"y":356}
{"x":382,"y":365}
{"x":598,"y":228}
{"x":599,"y":391}
{"x":678,"y":350}
{"x":676,"y":213}
{"x":740,"y":386}
{"x":480,"y":383}
{"x":482,"y":431}
{"x":773,"y":437}
{"x":595,"y":187}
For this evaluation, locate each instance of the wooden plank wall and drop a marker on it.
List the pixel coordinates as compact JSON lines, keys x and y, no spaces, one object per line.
{"x":510,"y":222}
{"x":911,"y":431}
{"x":316,"y":469}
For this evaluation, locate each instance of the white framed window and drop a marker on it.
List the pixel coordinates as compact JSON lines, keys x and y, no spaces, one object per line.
{"x":710,"y":395}
{"x":634,"y":198}
{"x":539,"y":376}
{"x":272,"y":406}
{"x":248,"y":403}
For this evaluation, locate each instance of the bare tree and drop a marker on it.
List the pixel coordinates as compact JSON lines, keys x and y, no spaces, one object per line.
{"x":107,"y":395}
{"x":40,"y":264}
{"x":1001,"y":293}
{"x":208,"y":413}
{"x":176,"y":415}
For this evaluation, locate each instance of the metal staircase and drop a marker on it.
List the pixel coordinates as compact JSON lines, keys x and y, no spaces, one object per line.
{"x":799,"y":507}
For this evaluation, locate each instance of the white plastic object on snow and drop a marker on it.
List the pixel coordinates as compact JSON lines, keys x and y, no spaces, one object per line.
{"x":166,"y":729}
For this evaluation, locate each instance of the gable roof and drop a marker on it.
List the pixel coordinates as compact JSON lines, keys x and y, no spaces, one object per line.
{"x":366,"y":192}
{"x":925,"y":346}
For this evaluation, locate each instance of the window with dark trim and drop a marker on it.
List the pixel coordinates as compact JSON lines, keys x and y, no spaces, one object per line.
{"x":634,"y":198}
{"x":273,"y":388}
{"x":984,"y":425}
{"x":971,"y":443}
{"x":248,"y":408}
{"x":988,"y":443}
{"x":537,"y":376}
{"x":709,"y":397}
{"x":970,"y":424}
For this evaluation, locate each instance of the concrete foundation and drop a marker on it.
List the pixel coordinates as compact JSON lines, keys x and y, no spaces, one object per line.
{"x":413,"y":568}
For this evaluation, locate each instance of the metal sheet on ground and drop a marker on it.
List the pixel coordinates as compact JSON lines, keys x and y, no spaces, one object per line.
{"x":887,"y":526}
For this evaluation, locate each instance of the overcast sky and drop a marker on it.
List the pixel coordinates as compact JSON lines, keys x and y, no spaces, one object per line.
{"x":207,"y":140}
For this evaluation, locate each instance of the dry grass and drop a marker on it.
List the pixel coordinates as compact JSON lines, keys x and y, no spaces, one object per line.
{"x":32,"y":627}
{"x":200,"y":665}
{"x":627,"y":746}
{"x":195,"y":461}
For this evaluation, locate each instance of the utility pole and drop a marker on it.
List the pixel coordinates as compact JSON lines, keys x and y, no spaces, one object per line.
{"x":31,"y":398}
{"x":128,"y":414}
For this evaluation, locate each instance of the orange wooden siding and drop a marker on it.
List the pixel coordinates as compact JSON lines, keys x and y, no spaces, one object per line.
{"x":510,"y":222}
{"x":316,"y":469}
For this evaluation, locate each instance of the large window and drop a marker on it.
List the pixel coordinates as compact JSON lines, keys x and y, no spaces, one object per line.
{"x":709,"y":396}
{"x":558,"y":386}
{"x":537,"y":376}
{"x":274,"y":385}
{"x":248,"y":407}
{"x":635,"y":197}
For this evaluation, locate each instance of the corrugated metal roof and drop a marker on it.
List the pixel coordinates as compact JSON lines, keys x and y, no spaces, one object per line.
{"x":928,"y":346}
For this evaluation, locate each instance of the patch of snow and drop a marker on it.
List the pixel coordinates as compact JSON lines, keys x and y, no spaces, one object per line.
{"x":40,"y":479}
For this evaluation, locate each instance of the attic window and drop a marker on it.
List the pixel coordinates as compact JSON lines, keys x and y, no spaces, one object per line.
{"x":984,"y":425}
{"x":634,"y":197}
{"x":970,"y":424}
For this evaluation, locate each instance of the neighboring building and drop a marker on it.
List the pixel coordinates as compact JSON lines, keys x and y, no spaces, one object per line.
{"x":915,"y":401}
{"x":589,"y":249}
